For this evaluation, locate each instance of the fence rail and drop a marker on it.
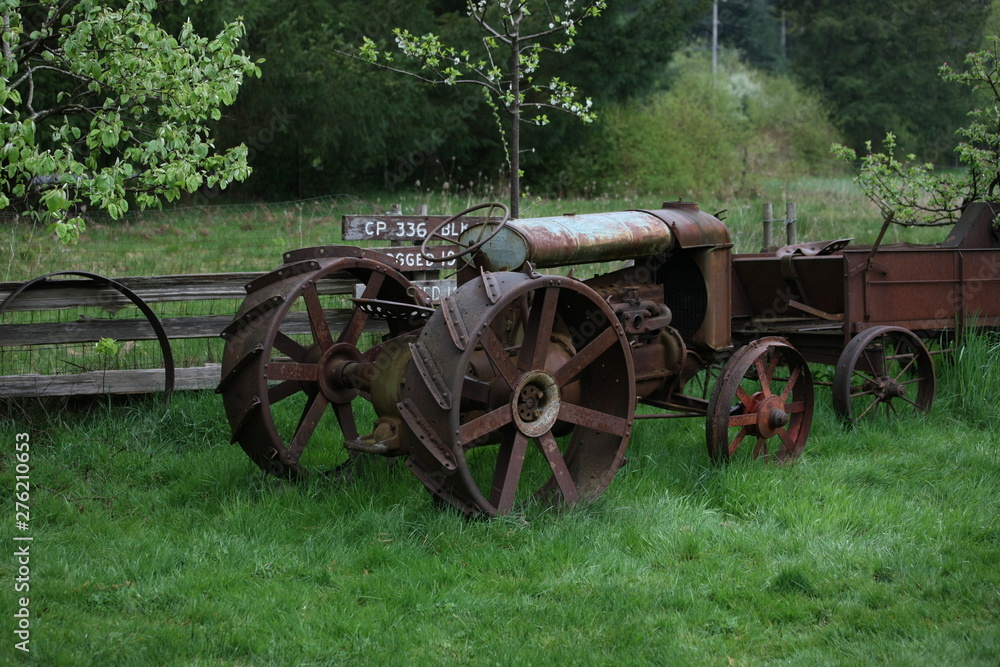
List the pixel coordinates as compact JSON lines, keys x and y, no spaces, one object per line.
{"x":95,"y":310}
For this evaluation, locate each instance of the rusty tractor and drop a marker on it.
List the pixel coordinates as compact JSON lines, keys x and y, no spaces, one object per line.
{"x":523,"y":384}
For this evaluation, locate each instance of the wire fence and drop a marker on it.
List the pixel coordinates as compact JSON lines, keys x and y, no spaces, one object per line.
{"x":187,"y":240}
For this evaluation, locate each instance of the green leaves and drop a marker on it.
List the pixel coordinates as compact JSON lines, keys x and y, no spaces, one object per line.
{"x":126,"y":111}
{"x":912,"y":192}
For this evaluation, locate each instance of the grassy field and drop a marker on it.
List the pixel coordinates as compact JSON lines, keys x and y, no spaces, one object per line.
{"x":156,"y":542}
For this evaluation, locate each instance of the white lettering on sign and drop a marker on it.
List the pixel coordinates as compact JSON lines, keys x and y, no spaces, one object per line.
{"x":414,"y":260}
{"x":435,"y":289}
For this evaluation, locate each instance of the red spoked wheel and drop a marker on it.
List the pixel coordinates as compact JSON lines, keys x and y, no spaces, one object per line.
{"x":762,"y":404}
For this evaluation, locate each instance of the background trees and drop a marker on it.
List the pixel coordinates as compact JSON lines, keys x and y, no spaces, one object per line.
{"x":316,"y":122}
{"x":877,"y":63}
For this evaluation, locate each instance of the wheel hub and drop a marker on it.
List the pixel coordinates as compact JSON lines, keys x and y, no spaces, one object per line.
{"x":338,"y":368}
{"x":536,"y":403}
{"x":771,"y":415}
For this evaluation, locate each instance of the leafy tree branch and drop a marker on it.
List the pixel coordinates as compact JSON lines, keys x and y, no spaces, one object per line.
{"x":101,"y":106}
{"x":915,"y":193}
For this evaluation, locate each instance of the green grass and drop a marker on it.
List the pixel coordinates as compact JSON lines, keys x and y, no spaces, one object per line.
{"x":156,"y":542}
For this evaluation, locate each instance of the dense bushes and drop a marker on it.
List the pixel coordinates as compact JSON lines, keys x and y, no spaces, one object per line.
{"x":705,"y":133}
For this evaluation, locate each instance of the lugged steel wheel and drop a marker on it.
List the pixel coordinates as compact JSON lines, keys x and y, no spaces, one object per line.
{"x":762,"y":403}
{"x":886,"y":371}
{"x":519,"y":387}
{"x":284,"y":382}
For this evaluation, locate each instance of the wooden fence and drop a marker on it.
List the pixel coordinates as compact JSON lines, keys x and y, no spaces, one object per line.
{"x":63,"y":294}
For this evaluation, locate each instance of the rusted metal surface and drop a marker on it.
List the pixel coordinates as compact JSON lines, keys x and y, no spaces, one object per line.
{"x":601,"y":237}
{"x":832,"y":286}
{"x":541,"y":395}
{"x":519,"y":385}
{"x":572,"y":239}
{"x":277,"y":388}
{"x":93,"y":278}
{"x":762,"y":404}
{"x":884,"y":371}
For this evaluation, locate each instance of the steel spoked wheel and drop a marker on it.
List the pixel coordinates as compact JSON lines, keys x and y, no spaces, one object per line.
{"x":883,"y":372}
{"x":297,"y":355}
{"x":762,"y":404}
{"x":535,"y":394}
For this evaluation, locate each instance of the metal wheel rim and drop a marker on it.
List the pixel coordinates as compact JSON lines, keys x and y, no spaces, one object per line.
{"x":586,"y":464}
{"x":252,"y":384}
{"x":902,"y":364}
{"x":744,"y":416}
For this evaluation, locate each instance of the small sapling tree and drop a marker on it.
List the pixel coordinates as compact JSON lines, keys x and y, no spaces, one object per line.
{"x":101,"y":106}
{"x":515,"y":35}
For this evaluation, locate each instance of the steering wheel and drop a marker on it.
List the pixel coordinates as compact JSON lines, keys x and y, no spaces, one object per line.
{"x":466,"y":250}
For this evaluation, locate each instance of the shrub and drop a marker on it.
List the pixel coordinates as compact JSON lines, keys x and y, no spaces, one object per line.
{"x":718,"y":134}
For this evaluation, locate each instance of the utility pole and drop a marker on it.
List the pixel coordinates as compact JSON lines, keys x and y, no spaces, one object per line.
{"x":784,"y":36}
{"x":715,"y":36}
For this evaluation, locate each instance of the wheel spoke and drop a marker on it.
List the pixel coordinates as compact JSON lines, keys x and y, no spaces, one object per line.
{"x":476,"y":390}
{"x":743,"y":419}
{"x":279,"y":392}
{"x":307,"y":425}
{"x":905,"y":369}
{"x":550,"y":448}
{"x":317,"y":318}
{"x":787,"y":440}
{"x":499,"y":358}
{"x":345,"y":417}
{"x":871,"y":405}
{"x":510,"y":461}
{"x":593,"y":419}
{"x":585,"y":357}
{"x":787,"y":391}
{"x":284,"y":370}
{"x":352,"y":332}
{"x":761,"y":447}
{"x":863,"y":376}
{"x":737,"y":440}
{"x":491,"y":421}
{"x":797,"y":406}
{"x":744,"y":397}
{"x":875,"y":366}
{"x":290,"y":347}
{"x":538,"y":331}
{"x":764,"y":375}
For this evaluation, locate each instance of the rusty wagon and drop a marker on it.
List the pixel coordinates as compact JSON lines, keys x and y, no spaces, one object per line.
{"x":523,"y":383}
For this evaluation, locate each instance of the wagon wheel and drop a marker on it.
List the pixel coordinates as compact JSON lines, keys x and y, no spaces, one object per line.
{"x":284,"y":381}
{"x":762,"y":403}
{"x":883,"y":370}
{"x":535,"y":397}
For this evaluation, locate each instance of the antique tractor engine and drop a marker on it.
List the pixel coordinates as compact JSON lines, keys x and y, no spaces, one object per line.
{"x":520,"y":383}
